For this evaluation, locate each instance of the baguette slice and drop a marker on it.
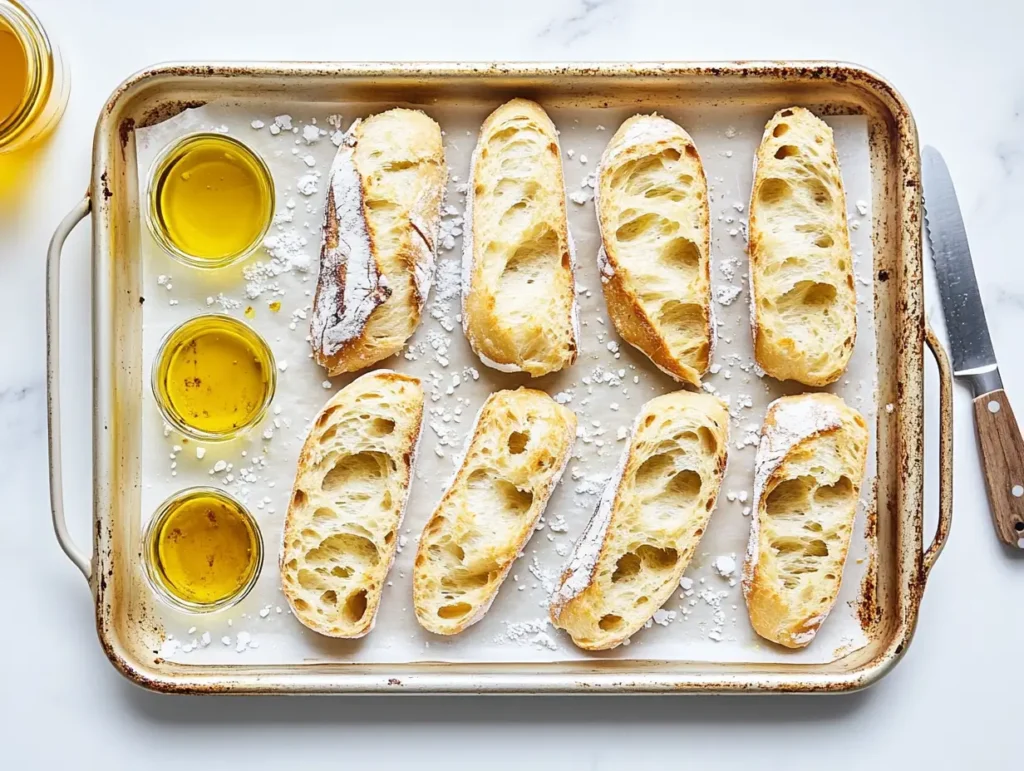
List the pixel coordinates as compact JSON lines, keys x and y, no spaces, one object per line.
{"x":349,"y":498}
{"x":650,"y":519}
{"x":652,"y":211}
{"x":379,"y":239}
{"x":516,"y":453}
{"x":519,"y":308}
{"x":802,"y":298}
{"x":808,"y":472}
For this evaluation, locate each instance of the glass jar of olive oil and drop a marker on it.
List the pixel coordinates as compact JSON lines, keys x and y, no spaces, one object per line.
{"x":211,"y":200}
{"x":213,"y":377}
{"x":34,"y":83}
{"x":202,"y":550}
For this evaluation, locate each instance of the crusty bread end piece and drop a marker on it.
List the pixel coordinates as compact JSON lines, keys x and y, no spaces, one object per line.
{"x":654,"y":218}
{"x":381,"y":222}
{"x":803,"y":301}
{"x":348,"y":501}
{"x":516,"y":453}
{"x":519,"y":308}
{"x":808,"y":473}
{"x":650,"y":519}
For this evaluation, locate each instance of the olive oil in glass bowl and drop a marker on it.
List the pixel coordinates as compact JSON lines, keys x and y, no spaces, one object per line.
{"x":202,"y":550}
{"x":211,"y":200}
{"x":34,"y":82}
{"x":213,"y":377}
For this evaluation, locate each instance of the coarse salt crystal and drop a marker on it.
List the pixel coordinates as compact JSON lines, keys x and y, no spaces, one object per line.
{"x":307,"y":184}
{"x":725,"y":566}
{"x":310,"y":134}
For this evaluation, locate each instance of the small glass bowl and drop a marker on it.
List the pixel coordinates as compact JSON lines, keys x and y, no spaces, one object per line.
{"x":160,"y":166}
{"x":179,"y":337}
{"x":49,"y":82}
{"x":152,"y":556}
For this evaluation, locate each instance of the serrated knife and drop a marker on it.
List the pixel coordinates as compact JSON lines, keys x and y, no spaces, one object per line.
{"x":974,"y":360}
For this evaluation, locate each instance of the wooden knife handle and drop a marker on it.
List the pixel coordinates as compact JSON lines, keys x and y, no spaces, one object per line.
{"x":1002,"y":459}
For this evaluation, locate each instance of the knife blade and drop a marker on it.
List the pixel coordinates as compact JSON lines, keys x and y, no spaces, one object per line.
{"x":974,"y":359}
{"x":969,"y":339}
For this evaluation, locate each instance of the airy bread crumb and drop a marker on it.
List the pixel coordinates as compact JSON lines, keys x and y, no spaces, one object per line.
{"x":654,"y":219}
{"x":808,"y":472}
{"x":516,"y":454}
{"x":519,"y":296}
{"x":803,"y":301}
{"x":347,"y":504}
{"x":651,"y":517}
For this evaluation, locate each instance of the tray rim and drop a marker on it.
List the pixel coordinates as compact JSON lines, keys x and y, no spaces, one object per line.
{"x":112,"y":135}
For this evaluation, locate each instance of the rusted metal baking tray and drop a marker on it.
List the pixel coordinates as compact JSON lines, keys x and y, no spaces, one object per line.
{"x":902,"y":558}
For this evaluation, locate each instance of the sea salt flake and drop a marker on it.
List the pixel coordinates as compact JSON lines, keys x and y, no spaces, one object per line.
{"x":724,"y":565}
{"x":310,"y":134}
{"x":726,"y":295}
{"x":663,"y":617}
{"x":308,"y":183}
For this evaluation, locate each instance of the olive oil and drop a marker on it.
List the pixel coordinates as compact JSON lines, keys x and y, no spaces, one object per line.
{"x":14,"y":66}
{"x":203,"y":550}
{"x":34,"y":84}
{"x":213,"y":377}
{"x":211,"y":200}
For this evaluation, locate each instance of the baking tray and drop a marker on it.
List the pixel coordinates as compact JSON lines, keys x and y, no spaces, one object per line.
{"x":898,"y":569}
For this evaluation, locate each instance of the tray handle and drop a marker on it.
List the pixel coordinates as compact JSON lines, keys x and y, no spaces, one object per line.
{"x":53,"y":255}
{"x":931,"y":554}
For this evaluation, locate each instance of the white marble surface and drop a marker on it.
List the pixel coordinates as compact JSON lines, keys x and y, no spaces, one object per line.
{"x":951,"y":701}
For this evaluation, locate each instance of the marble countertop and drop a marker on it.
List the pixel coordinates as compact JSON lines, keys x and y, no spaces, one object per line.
{"x":950,"y":701}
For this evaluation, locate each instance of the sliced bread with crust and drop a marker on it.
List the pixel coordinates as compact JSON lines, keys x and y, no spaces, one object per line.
{"x":516,"y":453}
{"x":802,"y":298}
{"x":519,"y":308}
{"x":380,"y":230}
{"x":655,"y":224}
{"x":347,"y":504}
{"x":650,"y":519}
{"x":808,"y":472}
